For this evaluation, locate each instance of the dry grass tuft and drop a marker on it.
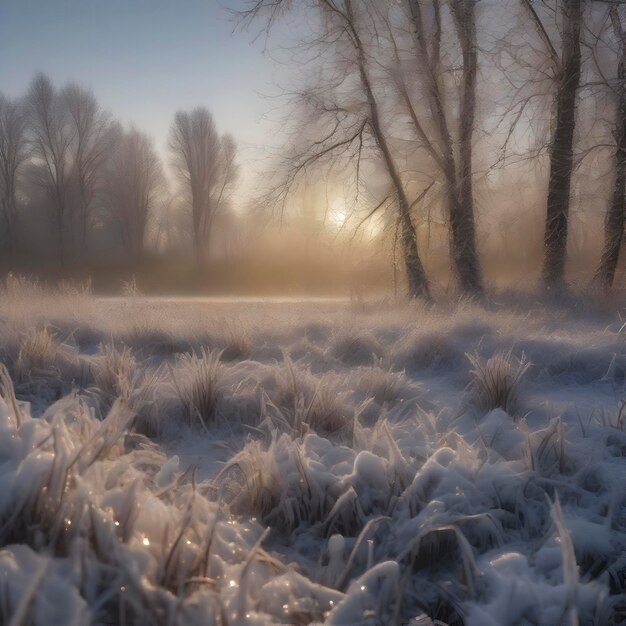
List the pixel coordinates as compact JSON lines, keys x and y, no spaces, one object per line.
{"x":42,"y":357}
{"x":357,"y":349}
{"x":118,"y":377}
{"x":114,"y":373}
{"x":197,"y":381}
{"x":496,"y":382}
{"x":238,"y":346}
{"x":303,"y":402}
{"x":386,"y":387}
{"x":250,"y":483}
{"x":431,"y":349}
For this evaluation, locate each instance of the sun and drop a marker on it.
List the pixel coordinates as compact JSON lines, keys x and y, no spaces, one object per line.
{"x":337,"y":214}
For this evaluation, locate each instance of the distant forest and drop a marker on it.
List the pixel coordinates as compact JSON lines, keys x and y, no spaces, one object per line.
{"x":427,"y":145}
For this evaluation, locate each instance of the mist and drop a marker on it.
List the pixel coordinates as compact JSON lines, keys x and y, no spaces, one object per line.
{"x":312,"y":312}
{"x":210,"y":216}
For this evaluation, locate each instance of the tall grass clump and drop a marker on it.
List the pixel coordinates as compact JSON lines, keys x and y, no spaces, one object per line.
{"x":426,"y":350}
{"x":197,"y":381}
{"x":42,"y":357}
{"x":237,"y":345}
{"x":38,"y":353}
{"x":496,"y":381}
{"x":17,"y":287}
{"x":114,"y":372}
{"x":277,"y":484}
{"x":302,"y":402}
{"x":118,"y":377}
{"x":251,"y":483}
{"x":354,"y":349}
{"x":384,"y":386}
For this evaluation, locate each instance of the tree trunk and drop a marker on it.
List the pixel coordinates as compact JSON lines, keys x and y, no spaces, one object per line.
{"x":61,"y":241}
{"x":84,"y":220}
{"x":561,"y":150}
{"x":198,"y":227}
{"x":462,"y":218}
{"x":614,"y":226}
{"x":459,"y":184}
{"x":614,"y":223}
{"x":416,"y":275}
{"x":9,"y":212}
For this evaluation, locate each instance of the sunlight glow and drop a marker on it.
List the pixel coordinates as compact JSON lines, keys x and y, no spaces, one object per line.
{"x":337,"y":214}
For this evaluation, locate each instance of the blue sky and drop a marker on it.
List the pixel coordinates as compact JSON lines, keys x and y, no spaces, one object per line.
{"x":144,"y":59}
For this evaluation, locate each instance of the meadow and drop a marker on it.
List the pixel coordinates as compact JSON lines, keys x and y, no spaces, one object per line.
{"x":190,"y":461}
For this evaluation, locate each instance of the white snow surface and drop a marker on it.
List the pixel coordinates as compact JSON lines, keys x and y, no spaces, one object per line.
{"x":310,"y":463}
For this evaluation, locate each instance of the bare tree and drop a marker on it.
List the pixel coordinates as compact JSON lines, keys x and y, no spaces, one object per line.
{"x":615,"y":217}
{"x":433,"y":129}
{"x":349,"y":127}
{"x":465,"y":254}
{"x":13,"y":152}
{"x":567,"y":69}
{"x":51,"y":137}
{"x":135,"y":180}
{"x":205,"y":164}
{"x":418,"y":283}
{"x":93,"y":139}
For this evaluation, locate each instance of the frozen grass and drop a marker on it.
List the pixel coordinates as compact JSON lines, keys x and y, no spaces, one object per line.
{"x":117,"y":377}
{"x":114,"y":374}
{"x":357,"y":349}
{"x":197,"y":380}
{"x":496,"y":381}
{"x":298,"y":402}
{"x":323,"y":465}
{"x":41,"y":355}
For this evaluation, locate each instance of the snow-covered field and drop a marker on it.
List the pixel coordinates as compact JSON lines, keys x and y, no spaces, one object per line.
{"x":188,"y":462}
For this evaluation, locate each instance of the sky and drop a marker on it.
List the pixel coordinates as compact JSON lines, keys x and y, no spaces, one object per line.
{"x":144,"y":60}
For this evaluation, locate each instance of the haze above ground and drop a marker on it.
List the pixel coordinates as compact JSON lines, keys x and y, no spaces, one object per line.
{"x":146,"y":59}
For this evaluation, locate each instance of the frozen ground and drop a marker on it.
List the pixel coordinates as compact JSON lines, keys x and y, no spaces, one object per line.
{"x":185,"y":462}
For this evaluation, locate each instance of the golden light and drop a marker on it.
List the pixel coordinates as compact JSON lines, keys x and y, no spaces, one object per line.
{"x":337,"y":214}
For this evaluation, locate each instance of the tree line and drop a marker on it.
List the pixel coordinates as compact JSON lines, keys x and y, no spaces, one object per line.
{"x":404,"y":84}
{"x":69,"y":169}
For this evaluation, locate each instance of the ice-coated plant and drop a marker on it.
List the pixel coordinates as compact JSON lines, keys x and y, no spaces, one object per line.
{"x":496,"y":381}
{"x":357,"y":349}
{"x":301,"y":402}
{"x":237,"y":345}
{"x":41,"y":354}
{"x":85,"y":520}
{"x":197,"y":381}
{"x":118,"y":377}
{"x":281,"y":506}
{"x":114,"y":372}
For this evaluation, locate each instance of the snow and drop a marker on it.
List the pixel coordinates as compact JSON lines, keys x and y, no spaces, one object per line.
{"x":338,"y":465}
